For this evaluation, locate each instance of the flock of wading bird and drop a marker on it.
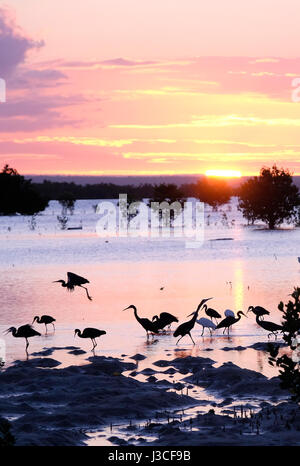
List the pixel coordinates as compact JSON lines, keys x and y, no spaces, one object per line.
{"x":157,"y":324}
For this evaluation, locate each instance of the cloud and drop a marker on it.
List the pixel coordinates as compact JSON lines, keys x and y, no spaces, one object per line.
{"x":38,"y":112}
{"x":125,"y":62}
{"x":217,"y":121}
{"x":26,"y":79}
{"x":14,"y":45}
{"x":101,"y":64}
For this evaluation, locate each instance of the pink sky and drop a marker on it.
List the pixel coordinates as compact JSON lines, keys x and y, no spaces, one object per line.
{"x":138,"y":87}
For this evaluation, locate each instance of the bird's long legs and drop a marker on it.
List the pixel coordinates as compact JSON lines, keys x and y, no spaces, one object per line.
{"x":46,"y":329}
{"x":26,"y":351}
{"x":179,"y":340}
{"x":191,"y":338}
{"x":53,"y":326}
{"x":202,"y":331}
{"x":94,"y":343}
{"x":87,"y":292}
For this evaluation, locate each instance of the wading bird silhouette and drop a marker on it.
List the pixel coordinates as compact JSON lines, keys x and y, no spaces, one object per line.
{"x":206,"y":323}
{"x":44,"y":320}
{"x":25,"y":331}
{"x":91,"y":333}
{"x":144,"y":322}
{"x":186,"y":327}
{"x":271,"y":327}
{"x":229,"y":321}
{"x":164,"y":319}
{"x":74,"y":280}
{"x":212,"y":313}
{"x":258,"y":311}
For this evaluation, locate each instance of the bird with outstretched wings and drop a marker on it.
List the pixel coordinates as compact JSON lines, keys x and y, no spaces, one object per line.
{"x":74,"y":280}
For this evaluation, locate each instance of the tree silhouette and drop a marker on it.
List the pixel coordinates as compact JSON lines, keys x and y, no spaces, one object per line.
{"x":212,"y":191}
{"x":17,"y":195}
{"x":271,"y":197}
{"x":171,"y":194}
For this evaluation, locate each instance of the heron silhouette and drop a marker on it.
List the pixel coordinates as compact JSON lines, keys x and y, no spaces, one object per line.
{"x":271,"y":327}
{"x":164,"y":319}
{"x":229,"y":321}
{"x":206,"y":323}
{"x":144,"y":322}
{"x":44,"y":320}
{"x":258,"y":311}
{"x":74,"y":280}
{"x":186,"y":327}
{"x":25,"y":331}
{"x":212,"y":313}
{"x":91,"y":333}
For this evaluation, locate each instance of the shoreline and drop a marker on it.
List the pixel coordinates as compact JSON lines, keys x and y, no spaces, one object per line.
{"x":96,"y":403}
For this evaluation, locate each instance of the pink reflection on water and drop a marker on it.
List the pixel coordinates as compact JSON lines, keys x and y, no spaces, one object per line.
{"x":29,"y":291}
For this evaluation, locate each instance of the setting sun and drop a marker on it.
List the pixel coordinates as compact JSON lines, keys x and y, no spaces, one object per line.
{"x":224,"y":173}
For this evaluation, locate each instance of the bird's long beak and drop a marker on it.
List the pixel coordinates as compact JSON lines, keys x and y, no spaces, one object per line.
{"x":56,"y":281}
{"x":6,"y":331}
{"x":126,"y":308}
{"x":244,"y":315}
{"x":192,"y":313}
{"x":204,"y":301}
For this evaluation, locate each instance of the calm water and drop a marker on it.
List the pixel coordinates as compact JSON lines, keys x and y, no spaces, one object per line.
{"x":261,"y":266}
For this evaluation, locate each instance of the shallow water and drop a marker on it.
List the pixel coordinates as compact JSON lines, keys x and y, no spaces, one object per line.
{"x":257,"y":267}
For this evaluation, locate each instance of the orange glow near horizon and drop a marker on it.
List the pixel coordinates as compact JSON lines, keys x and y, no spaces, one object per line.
{"x":224,"y":173}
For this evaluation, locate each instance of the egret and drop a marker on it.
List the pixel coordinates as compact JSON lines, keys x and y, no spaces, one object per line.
{"x":212,"y":313}
{"x":145,"y":323}
{"x":271,"y":327}
{"x":229,"y":321}
{"x":206,"y":323}
{"x":44,"y":320}
{"x":229,"y":313}
{"x":25,"y":331}
{"x":164,"y":319}
{"x":91,"y":333}
{"x":258,"y":311}
{"x":186,"y":327}
{"x":74,"y":280}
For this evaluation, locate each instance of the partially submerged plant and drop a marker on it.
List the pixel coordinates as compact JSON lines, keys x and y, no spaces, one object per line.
{"x":289,"y":366}
{"x":63,"y":221}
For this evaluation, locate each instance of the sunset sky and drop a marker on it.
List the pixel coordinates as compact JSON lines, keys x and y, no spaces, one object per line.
{"x":140,"y":87}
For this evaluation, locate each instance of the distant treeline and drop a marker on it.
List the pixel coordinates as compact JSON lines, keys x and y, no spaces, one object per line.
{"x":56,"y":190}
{"x":59,"y":190}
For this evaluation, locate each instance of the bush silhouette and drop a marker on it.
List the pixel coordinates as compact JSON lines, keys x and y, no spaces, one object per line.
{"x":289,"y":364}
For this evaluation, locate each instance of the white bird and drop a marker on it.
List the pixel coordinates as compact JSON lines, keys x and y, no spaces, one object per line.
{"x":206,"y":323}
{"x":229,"y":313}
